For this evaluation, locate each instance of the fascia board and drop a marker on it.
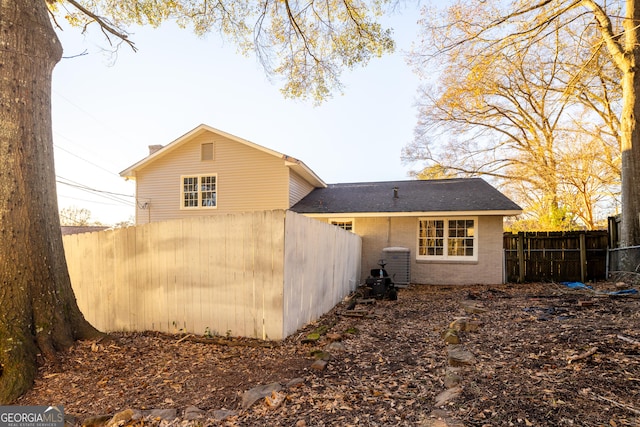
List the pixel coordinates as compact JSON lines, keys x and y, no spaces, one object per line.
{"x":411,"y":214}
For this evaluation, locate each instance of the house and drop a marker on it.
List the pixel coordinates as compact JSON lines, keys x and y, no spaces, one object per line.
{"x":207,"y":171}
{"x":451,"y":229}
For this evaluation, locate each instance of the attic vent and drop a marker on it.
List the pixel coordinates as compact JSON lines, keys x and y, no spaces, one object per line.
{"x":206,"y":151}
{"x":154,"y":148}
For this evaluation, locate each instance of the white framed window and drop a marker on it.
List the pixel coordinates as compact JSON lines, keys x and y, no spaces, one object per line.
{"x":344,"y":223}
{"x":452,"y":239}
{"x":198,"y":191}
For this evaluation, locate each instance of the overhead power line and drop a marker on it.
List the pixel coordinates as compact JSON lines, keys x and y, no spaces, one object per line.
{"x":85,"y":160}
{"x":101,"y":193}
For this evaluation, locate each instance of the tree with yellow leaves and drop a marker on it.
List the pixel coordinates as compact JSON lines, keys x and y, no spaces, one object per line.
{"x":528,"y":95}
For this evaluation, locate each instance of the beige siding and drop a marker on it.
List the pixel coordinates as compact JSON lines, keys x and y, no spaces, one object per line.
{"x":381,"y":232}
{"x":248,"y":179}
{"x":298,"y":188}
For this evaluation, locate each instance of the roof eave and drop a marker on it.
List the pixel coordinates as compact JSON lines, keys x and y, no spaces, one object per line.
{"x":413,"y":214}
{"x":304,"y":171}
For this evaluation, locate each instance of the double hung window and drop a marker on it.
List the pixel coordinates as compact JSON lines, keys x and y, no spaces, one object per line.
{"x":447,"y":239}
{"x":198,"y":191}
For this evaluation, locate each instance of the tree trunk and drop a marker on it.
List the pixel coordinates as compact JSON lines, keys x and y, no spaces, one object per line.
{"x":39,"y":314}
{"x":630,"y":227}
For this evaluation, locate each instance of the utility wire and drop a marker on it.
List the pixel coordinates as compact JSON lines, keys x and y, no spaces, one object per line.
{"x":62,"y":196}
{"x":85,"y":160}
{"x":101,"y":193}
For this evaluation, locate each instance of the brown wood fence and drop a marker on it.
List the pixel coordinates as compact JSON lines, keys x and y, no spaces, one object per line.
{"x":556,"y":256}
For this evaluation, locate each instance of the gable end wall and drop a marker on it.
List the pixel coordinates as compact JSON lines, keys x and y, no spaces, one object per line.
{"x":248,"y":179}
{"x":298,"y":188}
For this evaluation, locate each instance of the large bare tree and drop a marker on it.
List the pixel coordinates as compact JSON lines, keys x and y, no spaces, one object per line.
{"x":523,"y":97}
{"x":306,"y":43}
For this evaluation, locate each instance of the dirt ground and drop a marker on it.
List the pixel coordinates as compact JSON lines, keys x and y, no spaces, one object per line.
{"x":544,"y":355}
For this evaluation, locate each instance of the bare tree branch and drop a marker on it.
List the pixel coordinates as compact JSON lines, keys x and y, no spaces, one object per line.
{"x":106,"y":26}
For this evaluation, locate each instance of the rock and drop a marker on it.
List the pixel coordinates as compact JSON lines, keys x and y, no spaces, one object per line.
{"x":311,"y":338}
{"x":321,"y":355}
{"x":192,"y":413}
{"x":464,"y":324}
{"x":441,"y":418}
{"x":250,"y":397}
{"x":319,"y":365}
{"x":447,"y":396}
{"x":123,"y":416}
{"x":450,"y":336}
{"x":473,"y":307}
{"x":222,"y":414}
{"x":458,"y":356}
{"x":96,"y":421}
{"x":301,"y":423}
{"x":70,"y":420}
{"x":451,"y":379}
{"x":336,"y":346}
{"x":164,"y":414}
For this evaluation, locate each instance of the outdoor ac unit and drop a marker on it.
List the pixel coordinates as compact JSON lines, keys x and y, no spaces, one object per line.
{"x":398,"y":266}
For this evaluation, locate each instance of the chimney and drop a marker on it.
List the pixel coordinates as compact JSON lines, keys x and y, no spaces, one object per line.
{"x":154,"y":148}
{"x":395,"y":192}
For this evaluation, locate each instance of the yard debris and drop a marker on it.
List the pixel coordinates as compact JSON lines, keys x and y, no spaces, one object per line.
{"x":275,"y":399}
{"x":392,"y":369}
{"x":259,"y":392}
{"x":356,"y":313}
{"x":620,"y":291}
{"x":473,"y":307}
{"x":586,"y":303}
{"x":629,"y":340}
{"x":584,"y":355}
{"x":618,"y":404}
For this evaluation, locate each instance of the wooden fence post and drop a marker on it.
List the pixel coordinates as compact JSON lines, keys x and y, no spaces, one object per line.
{"x":583,"y":257}
{"x":521,"y":266}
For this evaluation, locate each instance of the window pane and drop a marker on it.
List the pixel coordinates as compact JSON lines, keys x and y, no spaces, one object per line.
{"x":460,"y":242}
{"x":208,"y":190}
{"x":190,"y":191}
{"x":346,"y":225}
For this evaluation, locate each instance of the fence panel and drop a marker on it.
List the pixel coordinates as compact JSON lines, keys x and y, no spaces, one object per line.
{"x":555,"y":256}
{"x":219,"y":274}
{"x":322,"y":266}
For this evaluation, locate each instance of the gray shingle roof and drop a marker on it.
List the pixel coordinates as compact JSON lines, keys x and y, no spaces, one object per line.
{"x":442,"y":195}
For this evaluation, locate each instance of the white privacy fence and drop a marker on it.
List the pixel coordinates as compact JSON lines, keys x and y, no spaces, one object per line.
{"x":259,"y":274}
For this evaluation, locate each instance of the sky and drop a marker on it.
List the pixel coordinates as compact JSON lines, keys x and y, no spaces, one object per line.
{"x":107,"y":110}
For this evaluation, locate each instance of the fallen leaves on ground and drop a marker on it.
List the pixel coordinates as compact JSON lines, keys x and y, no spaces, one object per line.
{"x":544,"y":355}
